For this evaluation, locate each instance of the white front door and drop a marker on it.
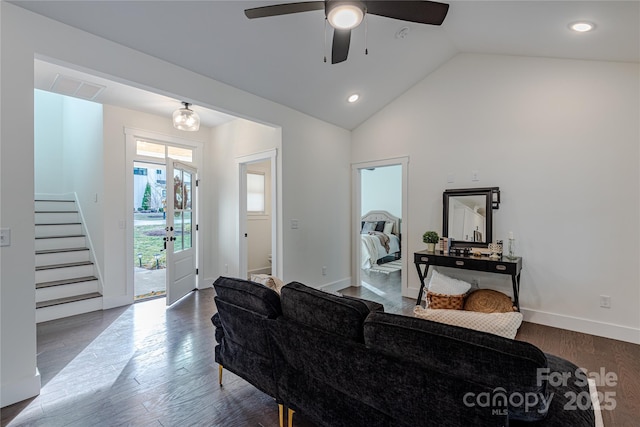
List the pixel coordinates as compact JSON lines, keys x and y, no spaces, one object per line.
{"x":181,"y":230}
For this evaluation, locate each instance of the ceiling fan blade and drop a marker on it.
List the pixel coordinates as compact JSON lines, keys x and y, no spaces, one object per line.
{"x":340,"y":47}
{"x":283,"y":9}
{"x":422,"y":12}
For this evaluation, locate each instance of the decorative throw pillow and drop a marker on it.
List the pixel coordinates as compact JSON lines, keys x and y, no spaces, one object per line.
{"x":502,"y":324}
{"x":388,"y":228}
{"x":271,"y":282}
{"x":380,"y":226}
{"x":445,"y":285}
{"x":368,"y":226}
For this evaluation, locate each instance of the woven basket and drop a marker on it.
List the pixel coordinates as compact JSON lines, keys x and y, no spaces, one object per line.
{"x":488,"y":301}
{"x":448,"y":302}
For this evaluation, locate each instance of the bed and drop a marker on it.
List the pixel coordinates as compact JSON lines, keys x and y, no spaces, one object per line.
{"x":380,"y":238}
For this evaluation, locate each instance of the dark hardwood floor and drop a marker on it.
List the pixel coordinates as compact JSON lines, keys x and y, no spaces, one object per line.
{"x":145,"y":365}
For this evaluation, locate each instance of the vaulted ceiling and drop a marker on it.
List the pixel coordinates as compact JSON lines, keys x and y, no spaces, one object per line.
{"x":281,"y":58}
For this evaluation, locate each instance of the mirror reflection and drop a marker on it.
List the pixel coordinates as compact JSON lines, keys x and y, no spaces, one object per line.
{"x":468,"y":218}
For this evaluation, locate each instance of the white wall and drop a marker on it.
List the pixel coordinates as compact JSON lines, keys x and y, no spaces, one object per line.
{"x":381,"y":189}
{"x":48,"y":150}
{"x":310,"y":148}
{"x":232,"y":140}
{"x":560,"y":138}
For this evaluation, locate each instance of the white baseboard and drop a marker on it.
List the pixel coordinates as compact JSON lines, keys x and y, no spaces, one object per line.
{"x":118,"y":301}
{"x":207,"y":282}
{"x":336,"y":286}
{"x":601,"y":329}
{"x":17,"y":391}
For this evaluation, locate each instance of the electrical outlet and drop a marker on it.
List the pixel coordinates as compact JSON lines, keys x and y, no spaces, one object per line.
{"x":324,"y":271}
{"x":475,"y":176}
{"x":605,"y":301}
{"x":226,"y":268}
{"x":294,"y":224}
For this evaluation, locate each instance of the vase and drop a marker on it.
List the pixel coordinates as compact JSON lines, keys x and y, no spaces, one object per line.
{"x":431,"y":247}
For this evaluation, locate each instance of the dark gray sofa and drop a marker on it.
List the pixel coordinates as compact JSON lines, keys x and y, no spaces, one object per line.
{"x":342,"y":361}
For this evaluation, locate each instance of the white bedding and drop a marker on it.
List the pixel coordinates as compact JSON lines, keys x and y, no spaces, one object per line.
{"x":372,"y":250}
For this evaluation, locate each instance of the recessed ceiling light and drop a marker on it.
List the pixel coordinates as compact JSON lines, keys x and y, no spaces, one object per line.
{"x":582,"y":26}
{"x":353,"y":98}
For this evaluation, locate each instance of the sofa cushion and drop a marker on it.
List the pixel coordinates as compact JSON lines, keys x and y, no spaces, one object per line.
{"x":471,"y":355}
{"x":249,"y":295}
{"x":343,"y":316}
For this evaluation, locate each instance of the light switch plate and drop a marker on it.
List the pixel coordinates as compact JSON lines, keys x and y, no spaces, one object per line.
{"x":5,"y":237}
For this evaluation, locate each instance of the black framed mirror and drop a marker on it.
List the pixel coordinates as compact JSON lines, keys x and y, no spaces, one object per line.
{"x":467,"y":215}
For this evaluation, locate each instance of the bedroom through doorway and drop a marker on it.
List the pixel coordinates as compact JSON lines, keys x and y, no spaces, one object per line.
{"x":381,"y":204}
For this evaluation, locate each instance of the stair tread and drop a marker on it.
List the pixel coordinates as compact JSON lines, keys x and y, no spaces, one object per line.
{"x":67,"y":300}
{"x":56,"y":211}
{"x":65,"y":282}
{"x":70,"y":264}
{"x":59,"y":223}
{"x":54,"y":200}
{"x":61,"y":237}
{"x":55,"y":251}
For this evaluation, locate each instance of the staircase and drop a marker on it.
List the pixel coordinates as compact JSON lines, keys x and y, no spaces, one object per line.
{"x":66,"y":282}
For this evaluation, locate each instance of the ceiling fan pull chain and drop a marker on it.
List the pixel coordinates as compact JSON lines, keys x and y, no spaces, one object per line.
{"x":325,"y":39}
{"x":366,"y":34}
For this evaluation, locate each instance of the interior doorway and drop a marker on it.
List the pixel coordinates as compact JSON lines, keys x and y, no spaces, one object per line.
{"x":380,"y":216}
{"x":257,"y":214}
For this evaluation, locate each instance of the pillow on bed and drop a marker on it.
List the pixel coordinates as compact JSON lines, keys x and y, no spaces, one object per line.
{"x":388,"y":228}
{"x":368,"y":226}
{"x":380,"y":226}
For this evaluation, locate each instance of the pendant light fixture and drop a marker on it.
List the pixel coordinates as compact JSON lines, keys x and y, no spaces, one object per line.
{"x":186,"y":119}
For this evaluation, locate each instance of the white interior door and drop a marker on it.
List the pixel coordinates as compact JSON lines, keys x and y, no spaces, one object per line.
{"x":181,"y":230}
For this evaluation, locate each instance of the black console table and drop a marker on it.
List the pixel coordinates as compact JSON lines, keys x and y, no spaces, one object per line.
{"x":424,"y":259}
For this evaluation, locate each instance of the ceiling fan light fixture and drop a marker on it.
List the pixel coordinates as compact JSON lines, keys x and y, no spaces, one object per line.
{"x":186,"y":119}
{"x":345,"y":16}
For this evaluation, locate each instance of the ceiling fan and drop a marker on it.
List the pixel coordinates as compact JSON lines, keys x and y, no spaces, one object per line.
{"x":344,"y":16}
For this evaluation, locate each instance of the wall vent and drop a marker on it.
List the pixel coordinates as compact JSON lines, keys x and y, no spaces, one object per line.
{"x":71,"y":86}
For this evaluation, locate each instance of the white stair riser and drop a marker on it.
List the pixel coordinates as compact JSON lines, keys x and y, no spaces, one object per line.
{"x":70,"y":309}
{"x":58,"y":230}
{"x":63,"y":273}
{"x":60,"y":243}
{"x":56,"y":217}
{"x":63,"y":291}
{"x":62,"y":257}
{"x":45,"y":205}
